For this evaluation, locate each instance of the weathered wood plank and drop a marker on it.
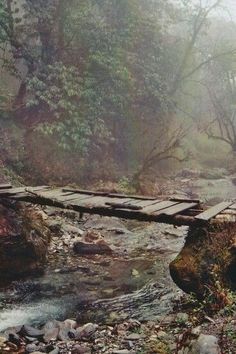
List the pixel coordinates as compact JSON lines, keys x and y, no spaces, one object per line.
{"x":139,"y":197}
{"x":233,"y":206}
{"x":143,"y":203}
{"x":95,"y":202}
{"x":158,"y":206}
{"x":176,"y":209}
{"x":185,"y":200}
{"x":5,"y":186}
{"x":213,"y":211}
{"x":123,"y":206}
{"x":82,"y":191}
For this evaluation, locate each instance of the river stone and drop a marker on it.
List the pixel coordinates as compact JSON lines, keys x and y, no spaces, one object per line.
{"x":51,"y":330}
{"x":80,"y":349}
{"x":205,"y":344}
{"x":86,"y":331}
{"x":32,"y":332}
{"x":55,"y":351}
{"x":70,"y":324}
{"x":2,"y":340}
{"x":133,"y":337}
{"x":31,"y":348}
{"x":83,"y":248}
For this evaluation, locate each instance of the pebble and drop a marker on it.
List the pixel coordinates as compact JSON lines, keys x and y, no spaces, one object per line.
{"x":2,"y":340}
{"x":133,"y":336}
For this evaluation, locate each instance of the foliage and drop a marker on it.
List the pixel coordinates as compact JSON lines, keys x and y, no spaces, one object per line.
{"x":104,"y":78}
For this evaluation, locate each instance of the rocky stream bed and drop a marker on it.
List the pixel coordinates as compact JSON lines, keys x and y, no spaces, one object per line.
{"x":77,"y":285}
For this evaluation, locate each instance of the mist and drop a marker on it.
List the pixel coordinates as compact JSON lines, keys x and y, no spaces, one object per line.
{"x":116,"y":92}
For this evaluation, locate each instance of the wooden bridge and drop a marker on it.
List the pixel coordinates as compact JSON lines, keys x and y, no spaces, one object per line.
{"x":171,"y":211}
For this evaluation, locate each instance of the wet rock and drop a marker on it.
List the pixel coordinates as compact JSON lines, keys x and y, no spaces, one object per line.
{"x":63,"y":334}
{"x":31,"y":348}
{"x":205,"y":344}
{"x":85,"y":331}
{"x":14,"y":338}
{"x":71,"y":324}
{"x":51,"y":331}
{"x":83,"y":248}
{"x":32,"y":332}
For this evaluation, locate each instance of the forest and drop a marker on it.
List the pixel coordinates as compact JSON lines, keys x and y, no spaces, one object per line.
{"x":115,"y":90}
{"x":117,"y":176}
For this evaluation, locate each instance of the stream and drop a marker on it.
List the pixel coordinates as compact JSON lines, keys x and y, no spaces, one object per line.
{"x":141,"y":253}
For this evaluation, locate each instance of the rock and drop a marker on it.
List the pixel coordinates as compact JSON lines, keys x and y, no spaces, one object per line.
{"x":205,"y":344}
{"x":38,"y":353}
{"x":80,"y":349}
{"x":104,"y":223}
{"x":14,"y":338}
{"x":206,"y":255}
{"x":51,"y":331}
{"x":70,"y":324}
{"x":31,"y":348}
{"x":133,"y":336}
{"x":85,"y":331}
{"x":122,"y":351}
{"x":83,"y":248}
{"x":196,"y":331}
{"x":63,"y":334}
{"x":32,"y":332}
{"x":2,"y":340}
{"x":72,"y":229}
{"x":55,"y":351}
{"x":182,"y":318}
{"x":162,"y":335}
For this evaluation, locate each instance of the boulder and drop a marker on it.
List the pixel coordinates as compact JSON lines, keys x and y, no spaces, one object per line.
{"x":24,"y":238}
{"x":205,"y":344}
{"x":207,"y":260}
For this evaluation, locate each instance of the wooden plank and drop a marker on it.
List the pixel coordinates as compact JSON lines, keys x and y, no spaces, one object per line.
{"x":185,"y":200}
{"x":140,"y":197}
{"x":233,"y":206}
{"x":5,"y":186}
{"x":83,"y":191}
{"x":210,"y":213}
{"x":176,"y":209}
{"x":106,"y":194}
{"x":143,"y":203}
{"x":73,"y":197}
{"x":95,"y":202}
{"x":158,"y":206}
{"x":123,"y":206}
